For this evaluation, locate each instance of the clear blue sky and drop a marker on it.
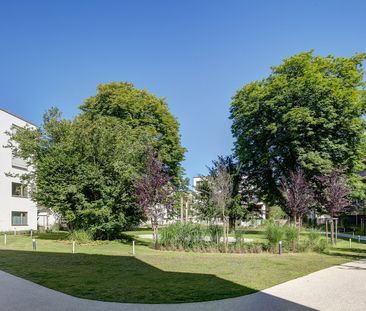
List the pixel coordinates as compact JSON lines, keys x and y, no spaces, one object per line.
{"x":196,"y":53}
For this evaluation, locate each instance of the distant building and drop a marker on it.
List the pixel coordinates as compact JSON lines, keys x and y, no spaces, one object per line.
{"x":17,"y":210}
{"x":196,"y":182}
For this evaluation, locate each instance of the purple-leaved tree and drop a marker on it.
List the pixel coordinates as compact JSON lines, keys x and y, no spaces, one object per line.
{"x":298,"y":194}
{"x":335,"y":197}
{"x":154,"y":192}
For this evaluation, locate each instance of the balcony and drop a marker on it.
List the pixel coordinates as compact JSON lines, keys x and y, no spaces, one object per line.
{"x":19,"y":163}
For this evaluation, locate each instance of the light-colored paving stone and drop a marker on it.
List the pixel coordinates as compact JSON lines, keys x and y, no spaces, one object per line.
{"x":337,"y":288}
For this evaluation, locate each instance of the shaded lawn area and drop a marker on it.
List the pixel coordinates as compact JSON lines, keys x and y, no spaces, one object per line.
{"x":108,"y":271}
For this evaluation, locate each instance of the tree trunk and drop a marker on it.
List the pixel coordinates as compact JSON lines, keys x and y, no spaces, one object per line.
{"x":226,"y":232}
{"x":326,"y":229}
{"x":332,"y":231}
{"x":154,"y":226}
{"x":187,"y":211}
{"x":232,"y":223}
{"x":181,"y":210}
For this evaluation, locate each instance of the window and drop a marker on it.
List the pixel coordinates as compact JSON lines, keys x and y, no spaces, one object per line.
{"x":19,"y":218}
{"x":19,"y":190}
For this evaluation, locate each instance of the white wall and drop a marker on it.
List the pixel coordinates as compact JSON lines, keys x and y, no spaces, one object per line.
{"x":8,"y":203}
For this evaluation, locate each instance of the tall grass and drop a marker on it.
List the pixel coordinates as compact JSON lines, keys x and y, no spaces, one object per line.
{"x":215,"y":232}
{"x":274,"y":234}
{"x":292,"y":237}
{"x":81,"y":236}
{"x":182,"y":236}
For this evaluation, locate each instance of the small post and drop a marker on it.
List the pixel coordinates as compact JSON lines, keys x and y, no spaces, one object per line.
{"x":31,"y":233}
{"x":353,"y":234}
{"x":133,"y":248}
{"x":34,"y":244}
{"x":350,"y":243}
{"x":359,"y":239}
{"x":73,"y":246}
{"x":5,"y":239}
{"x":280,"y":248}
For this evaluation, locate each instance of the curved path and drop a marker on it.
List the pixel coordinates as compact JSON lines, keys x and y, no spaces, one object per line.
{"x":337,"y":288}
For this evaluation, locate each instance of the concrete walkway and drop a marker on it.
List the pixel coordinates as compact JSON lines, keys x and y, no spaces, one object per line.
{"x":351,"y":236}
{"x":337,"y":288}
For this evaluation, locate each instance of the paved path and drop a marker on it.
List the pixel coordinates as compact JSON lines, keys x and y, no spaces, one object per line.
{"x":354,"y":237}
{"x":337,"y":288}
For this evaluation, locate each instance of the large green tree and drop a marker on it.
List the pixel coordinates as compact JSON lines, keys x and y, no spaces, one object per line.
{"x":307,"y":113}
{"x":148,"y":115}
{"x":84,"y":168}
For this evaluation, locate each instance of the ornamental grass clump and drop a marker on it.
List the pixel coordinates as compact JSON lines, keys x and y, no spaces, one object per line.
{"x":215,"y":232}
{"x":239,"y":236}
{"x":182,"y":237}
{"x":291,"y":237}
{"x":81,"y":236}
{"x":274,"y":234}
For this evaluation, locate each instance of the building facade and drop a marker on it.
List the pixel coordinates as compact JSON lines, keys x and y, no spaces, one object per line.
{"x":17,"y":211}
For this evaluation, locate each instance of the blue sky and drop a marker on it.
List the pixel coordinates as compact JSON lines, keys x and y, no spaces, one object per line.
{"x":195,"y":53}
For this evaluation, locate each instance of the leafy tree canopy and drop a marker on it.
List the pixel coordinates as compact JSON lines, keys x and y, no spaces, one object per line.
{"x":307,"y":113}
{"x":148,"y":115}
{"x":84,"y":168}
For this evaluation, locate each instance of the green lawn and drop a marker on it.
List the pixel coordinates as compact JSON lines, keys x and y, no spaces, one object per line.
{"x":108,"y":271}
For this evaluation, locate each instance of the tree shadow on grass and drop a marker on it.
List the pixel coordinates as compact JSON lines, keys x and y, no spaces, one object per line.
{"x":119,"y":278}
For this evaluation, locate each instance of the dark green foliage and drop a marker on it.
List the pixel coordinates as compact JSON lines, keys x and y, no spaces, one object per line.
{"x":83,"y":168}
{"x":307,"y":113}
{"x":146,"y":114}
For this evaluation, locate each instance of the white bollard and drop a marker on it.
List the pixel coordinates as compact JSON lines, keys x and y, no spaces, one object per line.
{"x":350,"y":243}
{"x":73,"y":247}
{"x":280,"y":248}
{"x":359,"y":239}
{"x":34,"y":244}
{"x":133,"y":248}
{"x":5,"y":239}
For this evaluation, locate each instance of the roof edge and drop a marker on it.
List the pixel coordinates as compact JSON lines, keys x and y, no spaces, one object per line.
{"x":17,"y":116}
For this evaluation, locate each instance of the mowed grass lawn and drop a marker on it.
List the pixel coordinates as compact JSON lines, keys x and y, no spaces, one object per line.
{"x":108,"y":271}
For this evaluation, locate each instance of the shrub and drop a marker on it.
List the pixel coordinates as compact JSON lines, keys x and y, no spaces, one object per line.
{"x":81,"y":236}
{"x":292,"y":237}
{"x":274,"y":234}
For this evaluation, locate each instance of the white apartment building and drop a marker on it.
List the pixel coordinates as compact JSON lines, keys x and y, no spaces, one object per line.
{"x":17,"y":211}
